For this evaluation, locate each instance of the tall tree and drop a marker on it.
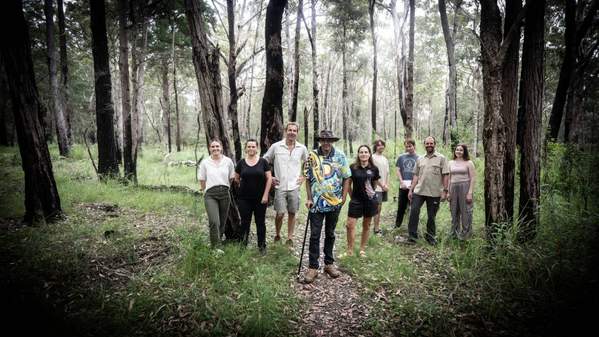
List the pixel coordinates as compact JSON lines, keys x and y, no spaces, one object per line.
{"x":315,"y":90}
{"x":166,"y":103}
{"x":576,"y":30}
{"x":509,"y":106}
{"x":531,"y":95}
{"x":271,"y":121}
{"x":129,"y":128}
{"x":232,"y":76}
{"x":64,"y":68}
{"x":58,"y":108}
{"x":409,"y":82}
{"x":296,"y":60}
{"x":371,"y":4}
{"x":176,"y":92}
{"x":138,"y":67}
{"x":450,"y":94}
{"x":41,"y":195}
{"x":206,"y":64}
{"x":4,"y":99}
{"x":494,"y":46}
{"x":108,"y":164}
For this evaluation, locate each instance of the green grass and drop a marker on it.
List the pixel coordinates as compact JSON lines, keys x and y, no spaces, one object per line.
{"x":453,"y":289}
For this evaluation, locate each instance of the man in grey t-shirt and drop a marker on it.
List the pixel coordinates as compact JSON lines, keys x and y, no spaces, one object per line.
{"x":405,"y":167}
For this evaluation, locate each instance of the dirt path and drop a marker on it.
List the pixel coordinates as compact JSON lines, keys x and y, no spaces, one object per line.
{"x":334,"y":306}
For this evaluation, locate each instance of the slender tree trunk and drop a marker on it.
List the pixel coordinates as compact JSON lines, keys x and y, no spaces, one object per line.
{"x":306,"y":127}
{"x":249,"y":109}
{"x":108,"y":164}
{"x":371,"y":4}
{"x":329,"y":123}
{"x":271,"y":129}
{"x":532,"y":93}
{"x":232,"y":76}
{"x":288,"y":70}
{"x":315,"y":90}
{"x":166,"y":104}
{"x":296,"y":61}
{"x":450,"y":100}
{"x":64,"y":68}
{"x":56,"y":97}
{"x":129,"y":129}
{"x":138,"y":67}
{"x":410,"y":75}
{"x":509,"y":105}
{"x":176,"y":91}
{"x":41,"y":195}
{"x":344,"y":104}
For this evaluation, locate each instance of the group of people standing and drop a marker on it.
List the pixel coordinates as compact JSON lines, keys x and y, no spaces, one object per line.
{"x":329,"y":178}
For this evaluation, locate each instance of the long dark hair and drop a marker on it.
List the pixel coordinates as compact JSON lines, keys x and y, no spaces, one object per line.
{"x":377,"y":143}
{"x":356,"y":164}
{"x":465,"y":156}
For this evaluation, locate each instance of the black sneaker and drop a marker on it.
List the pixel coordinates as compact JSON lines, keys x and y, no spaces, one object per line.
{"x":262,"y":251}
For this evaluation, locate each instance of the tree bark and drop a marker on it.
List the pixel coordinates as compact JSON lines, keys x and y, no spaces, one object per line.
{"x":271,"y":123}
{"x":296,"y":61}
{"x":4,"y":101}
{"x":315,"y":89}
{"x":232,"y":76}
{"x":64,"y":68}
{"x":138,"y":67}
{"x":509,"y":105}
{"x":166,"y":104}
{"x":129,"y":129}
{"x":206,"y":65}
{"x":494,"y":124}
{"x":532,"y":110}
{"x":249,"y":109}
{"x":450,"y":94}
{"x":344,"y":103}
{"x":176,"y":91}
{"x":42,"y":201}
{"x":55,"y":93}
{"x":409,"y":109}
{"x":371,"y":4}
{"x":575,"y":32}
{"x":107,"y":157}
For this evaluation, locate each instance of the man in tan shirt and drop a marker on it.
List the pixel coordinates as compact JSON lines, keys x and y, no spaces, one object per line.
{"x":429,"y":184}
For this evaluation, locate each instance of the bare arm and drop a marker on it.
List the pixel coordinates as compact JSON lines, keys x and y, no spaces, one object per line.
{"x":472,"y":173}
{"x":309,"y":202}
{"x":237,"y":179}
{"x":414,"y":183}
{"x":267,"y":187}
{"x":346,"y":188}
{"x":202,"y":185}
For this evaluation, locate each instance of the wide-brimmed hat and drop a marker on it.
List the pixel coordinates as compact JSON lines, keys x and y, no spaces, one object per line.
{"x":327,"y":134}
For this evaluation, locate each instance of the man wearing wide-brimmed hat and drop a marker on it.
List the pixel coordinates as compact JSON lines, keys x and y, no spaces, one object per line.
{"x":326,"y":174}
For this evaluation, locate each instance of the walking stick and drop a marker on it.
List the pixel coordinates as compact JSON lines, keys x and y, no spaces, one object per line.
{"x":299,"y":268}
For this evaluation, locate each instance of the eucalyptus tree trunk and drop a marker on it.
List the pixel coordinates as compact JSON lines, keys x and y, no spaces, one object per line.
{"x":450,"y":94}
{"x":129,"y":128}
{"x":409,"y":84}
{"x":166,"y":103}
{"x":371,"y":4}
{"x":271,"y":126}
{"x":494,"y":48}
{"x":296,"y":61}
{"x":232,"y":76}
{"x":42,"y":201}
{"x":64,"y":68}
{"x":249,"y":109}
{"x":58,"y":108}
{"x":509,"y":105}
{"x":576,"y":30}
{"x":532,"y":110}
{"x":206,"y":65}
{"x":344,"y":104}
{"x":108,"y":164}
{"x":315,"y":90}
{"x":176,"y":92}
{"x":138,"y":67}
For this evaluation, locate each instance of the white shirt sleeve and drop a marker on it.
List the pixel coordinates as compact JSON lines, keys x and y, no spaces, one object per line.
{"x":269,"y":155}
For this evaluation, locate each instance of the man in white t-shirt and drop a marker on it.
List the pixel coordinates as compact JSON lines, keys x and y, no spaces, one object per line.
{"x":287,"y":157}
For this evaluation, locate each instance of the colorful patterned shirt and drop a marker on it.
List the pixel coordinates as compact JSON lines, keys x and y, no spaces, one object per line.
{"x":326,"y":175}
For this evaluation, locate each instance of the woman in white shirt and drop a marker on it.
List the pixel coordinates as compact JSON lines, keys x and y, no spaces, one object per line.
{"x":216,"y":173}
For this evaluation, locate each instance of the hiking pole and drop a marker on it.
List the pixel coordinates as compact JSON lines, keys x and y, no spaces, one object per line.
{"x":299,"y":268}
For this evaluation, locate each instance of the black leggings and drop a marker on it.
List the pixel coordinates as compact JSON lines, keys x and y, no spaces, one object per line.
{"x":246,"y":208}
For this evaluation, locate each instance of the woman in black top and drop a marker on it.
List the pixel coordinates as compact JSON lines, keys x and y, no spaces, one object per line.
{"x":253,"y":176}
{"x":363,"y":182}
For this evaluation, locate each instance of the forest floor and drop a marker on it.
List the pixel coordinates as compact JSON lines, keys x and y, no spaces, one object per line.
{"x":135,"y":261}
